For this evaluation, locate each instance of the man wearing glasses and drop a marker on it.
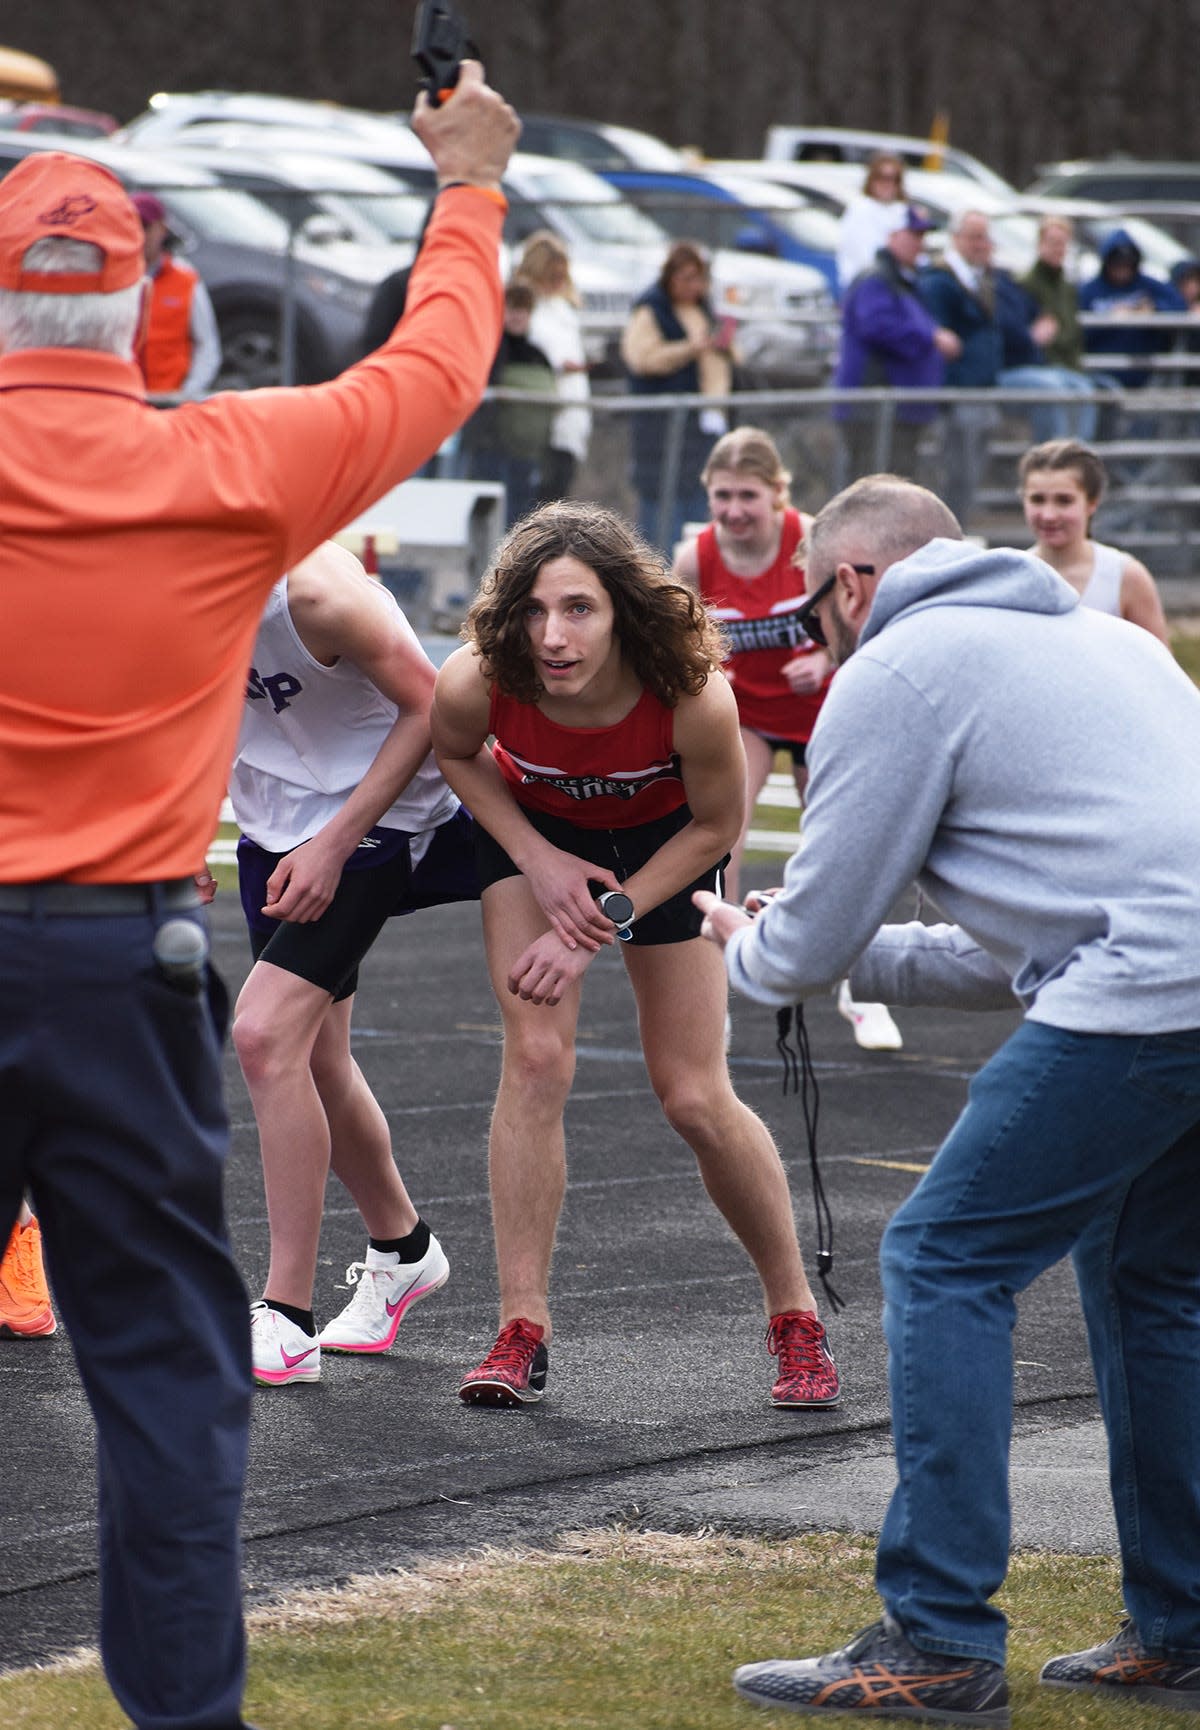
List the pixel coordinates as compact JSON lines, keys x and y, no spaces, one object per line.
{"x":1035,"y":766}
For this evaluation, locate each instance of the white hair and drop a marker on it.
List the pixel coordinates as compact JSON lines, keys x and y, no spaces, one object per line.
{"x":108,"y":322}
{"x":956,"y":221}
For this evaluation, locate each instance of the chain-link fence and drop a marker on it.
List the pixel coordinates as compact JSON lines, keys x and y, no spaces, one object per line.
{"x":1149,"y":440}
{"x":292,"y":271}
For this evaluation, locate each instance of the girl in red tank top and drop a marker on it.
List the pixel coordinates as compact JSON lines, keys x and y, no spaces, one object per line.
{"x":742,"y":565}
{"x":613,"y":792}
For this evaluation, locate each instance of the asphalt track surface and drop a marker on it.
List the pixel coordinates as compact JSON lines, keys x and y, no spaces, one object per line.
{"x":657,"y":1408}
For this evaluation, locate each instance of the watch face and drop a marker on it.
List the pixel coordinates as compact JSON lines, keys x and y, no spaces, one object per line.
{"x":617,"y":906}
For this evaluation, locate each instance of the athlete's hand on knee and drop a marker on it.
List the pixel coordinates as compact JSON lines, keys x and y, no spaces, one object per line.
{"x":545,"y":970}
{"x":303,"y":884}
{"x":561,"y":885}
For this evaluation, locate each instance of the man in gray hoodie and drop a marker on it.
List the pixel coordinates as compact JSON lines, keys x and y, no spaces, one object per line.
{"x":1035,"y":767}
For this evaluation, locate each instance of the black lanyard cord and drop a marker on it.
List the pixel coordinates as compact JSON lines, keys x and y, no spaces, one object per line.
{"x":800,"y":1077}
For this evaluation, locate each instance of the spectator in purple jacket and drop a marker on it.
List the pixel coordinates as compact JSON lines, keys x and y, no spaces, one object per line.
{"x":890,"y":338}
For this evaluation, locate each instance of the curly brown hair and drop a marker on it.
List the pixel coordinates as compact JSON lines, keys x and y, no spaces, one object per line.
{"x":665,"y":634}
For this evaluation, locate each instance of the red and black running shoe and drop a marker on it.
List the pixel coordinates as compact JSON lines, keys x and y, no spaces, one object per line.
{"x":808,"y":1375}
{"x":514,"y":1371}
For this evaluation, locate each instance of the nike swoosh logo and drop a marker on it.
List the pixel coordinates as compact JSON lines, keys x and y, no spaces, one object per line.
{"x":399,"y":1303}
{"x":290,"y":1362}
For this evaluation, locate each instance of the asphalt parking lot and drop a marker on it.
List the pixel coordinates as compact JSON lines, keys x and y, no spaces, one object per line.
{"x":656,"y":1407}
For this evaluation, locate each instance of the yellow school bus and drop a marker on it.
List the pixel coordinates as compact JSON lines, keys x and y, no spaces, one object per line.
{"x":25,"y":78}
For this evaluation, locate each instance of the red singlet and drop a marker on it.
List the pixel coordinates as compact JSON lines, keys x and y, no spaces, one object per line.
{"x":598,"y":777}
{"x":755,"y":613}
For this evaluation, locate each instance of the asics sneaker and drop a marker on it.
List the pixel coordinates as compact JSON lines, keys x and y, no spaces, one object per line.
{"x":387,"y":1288}
{"x":808,"y":1375}
{"x":25,"y":1311}
{"x":281,"y":1351}
{"x":873,"y":1026}
{"x":1121,"y":1669}
{"x":514,"y":1371}
{"x":881,"y":1674}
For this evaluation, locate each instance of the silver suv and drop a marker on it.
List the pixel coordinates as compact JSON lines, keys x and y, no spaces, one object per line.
{"x":1167,"y":192}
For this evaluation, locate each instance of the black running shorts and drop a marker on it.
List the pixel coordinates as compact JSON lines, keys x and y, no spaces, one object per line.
{"x":623,"y":851}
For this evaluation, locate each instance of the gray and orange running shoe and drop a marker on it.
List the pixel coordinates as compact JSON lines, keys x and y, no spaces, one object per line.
{"x":1122,"y":1669}
{"x":881,"y":1674}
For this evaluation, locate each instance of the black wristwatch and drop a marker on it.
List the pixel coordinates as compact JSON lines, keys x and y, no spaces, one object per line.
{"x":616,"y":905}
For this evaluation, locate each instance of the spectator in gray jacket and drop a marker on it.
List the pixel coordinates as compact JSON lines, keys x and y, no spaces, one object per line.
{"x":1035,"y":765}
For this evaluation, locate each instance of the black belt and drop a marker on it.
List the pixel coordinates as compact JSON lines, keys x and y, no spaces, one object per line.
{"x":88,"y":898}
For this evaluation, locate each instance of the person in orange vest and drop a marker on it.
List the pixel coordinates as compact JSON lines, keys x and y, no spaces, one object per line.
{"x":180,"y":349}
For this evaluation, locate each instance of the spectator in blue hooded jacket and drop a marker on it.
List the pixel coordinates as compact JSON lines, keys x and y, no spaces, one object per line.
{"x":1122,"y":287}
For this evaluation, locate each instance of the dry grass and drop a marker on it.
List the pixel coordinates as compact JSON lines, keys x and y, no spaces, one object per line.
{"x":612,"y":1630}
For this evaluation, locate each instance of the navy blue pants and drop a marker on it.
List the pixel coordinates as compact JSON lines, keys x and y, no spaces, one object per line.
{"x":112,"y":1116}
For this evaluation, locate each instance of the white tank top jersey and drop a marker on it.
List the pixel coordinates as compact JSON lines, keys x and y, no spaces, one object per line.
{"x":1103,"y":591}
{"x":309,"y":734}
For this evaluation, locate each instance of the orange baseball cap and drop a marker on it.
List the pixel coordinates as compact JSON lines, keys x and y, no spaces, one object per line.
{"x":53,"y":193}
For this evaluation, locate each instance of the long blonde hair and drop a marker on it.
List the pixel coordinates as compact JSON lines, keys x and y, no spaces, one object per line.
{"x":542,"y":256}
{"x":748,"y":450}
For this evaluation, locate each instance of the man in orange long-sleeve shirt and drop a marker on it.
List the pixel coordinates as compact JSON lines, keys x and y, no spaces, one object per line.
{"x":139,"y":551}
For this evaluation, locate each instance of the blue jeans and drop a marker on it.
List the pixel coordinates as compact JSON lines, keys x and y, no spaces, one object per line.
{"x":1077,"y":1143}
{"x":1055,"y":420}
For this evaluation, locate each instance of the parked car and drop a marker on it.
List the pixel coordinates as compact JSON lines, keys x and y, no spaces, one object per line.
{"x":943,"y":194}
{"x":1166,"y":192}
{"x":328,"y":198}
{"x":1121,"y":180}
{"x":56,"y":117}
{"x":784,"y":309}
{"x":255,"y":154}
{"x":171,"y":114}
{"x":595,"y":143}
{"x":242,"y":251}
{"x":734,"y":211}
{"x":846,"y":144}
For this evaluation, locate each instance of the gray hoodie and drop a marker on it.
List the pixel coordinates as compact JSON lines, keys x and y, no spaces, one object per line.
{"x":1035,"y":767}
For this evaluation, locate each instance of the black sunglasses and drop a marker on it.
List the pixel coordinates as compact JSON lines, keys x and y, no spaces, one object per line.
{"x":806,"y":616}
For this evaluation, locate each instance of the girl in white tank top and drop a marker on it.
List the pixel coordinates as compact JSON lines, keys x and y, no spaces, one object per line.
{"x":1062,"y":483}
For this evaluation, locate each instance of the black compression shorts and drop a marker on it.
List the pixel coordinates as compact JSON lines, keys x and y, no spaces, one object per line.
{"x":327,"y":951}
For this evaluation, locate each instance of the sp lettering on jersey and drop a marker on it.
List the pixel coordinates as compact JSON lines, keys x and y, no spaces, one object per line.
{"x":276,"y":688}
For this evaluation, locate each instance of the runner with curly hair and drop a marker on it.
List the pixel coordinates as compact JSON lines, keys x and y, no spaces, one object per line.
{"x":613,"y":791}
